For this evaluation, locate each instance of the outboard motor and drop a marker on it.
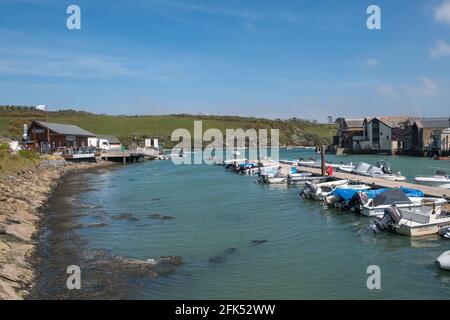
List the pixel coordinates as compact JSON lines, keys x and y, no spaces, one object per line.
{"x":357,"y":202}
{"x":445,"y":233}
{"x":392,"y":217}
{"x":308,"y":191}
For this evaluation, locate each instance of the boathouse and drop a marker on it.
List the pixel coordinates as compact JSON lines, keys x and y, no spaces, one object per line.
{"x":427,"y":135}
{"x":350,"y":132}
{"x":54,"y":136}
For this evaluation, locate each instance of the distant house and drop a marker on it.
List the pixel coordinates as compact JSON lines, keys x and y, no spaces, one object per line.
{"x":350,"y":132}
{"x":381,"y":134}
{"x":105,"y":142}
{"x":51,"y":136}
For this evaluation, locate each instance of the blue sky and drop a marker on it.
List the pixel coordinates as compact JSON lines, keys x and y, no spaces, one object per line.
{"x":307,"y":59}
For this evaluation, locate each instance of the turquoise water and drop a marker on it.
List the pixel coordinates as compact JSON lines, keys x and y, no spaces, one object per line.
{"x":311,"y":251}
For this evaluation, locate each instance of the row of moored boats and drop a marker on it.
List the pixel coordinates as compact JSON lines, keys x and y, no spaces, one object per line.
{"x":402,"y":210}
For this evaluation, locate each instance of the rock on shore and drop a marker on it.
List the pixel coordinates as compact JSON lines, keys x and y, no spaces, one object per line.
{"x":21,"y":197}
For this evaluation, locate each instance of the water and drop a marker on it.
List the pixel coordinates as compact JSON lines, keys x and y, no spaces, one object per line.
{"x":311,"y":251}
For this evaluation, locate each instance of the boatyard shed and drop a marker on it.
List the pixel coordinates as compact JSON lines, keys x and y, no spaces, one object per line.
{"x":54,"y":136}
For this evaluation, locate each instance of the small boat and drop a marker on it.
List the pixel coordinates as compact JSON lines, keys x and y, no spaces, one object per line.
{"x":441,"y":179}
{"x":342,"y":193}
{"x":271,"y":175}
{"x":316,"y":191}
{"x":381,"y":171}
{"x":234,"y":161}
{"x":272,"y":179}
{"x":413,"y":222}
{"x":304,"y":177}
{"x":411,"y":199}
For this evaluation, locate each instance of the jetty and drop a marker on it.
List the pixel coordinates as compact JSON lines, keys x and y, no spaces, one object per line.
{"x":126,"y":156}
{"x":380,"y":183}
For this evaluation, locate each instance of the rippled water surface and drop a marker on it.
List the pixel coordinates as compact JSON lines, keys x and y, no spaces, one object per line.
{"x":308,"y":251}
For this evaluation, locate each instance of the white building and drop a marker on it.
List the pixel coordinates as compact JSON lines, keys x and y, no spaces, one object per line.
{"x":105,"y":142}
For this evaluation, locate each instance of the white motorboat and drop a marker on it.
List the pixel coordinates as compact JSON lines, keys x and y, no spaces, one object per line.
{"x":316,"y":191}
{"x":302,"y":178}
{"x":308,"y":163}
{"x":381,"y":171}
{"x":234,"y":161}
{"x":374,"y":209}
{"x":272,"y":179}
{"x":441,"y":179}
{"x":413,"y":222}
{"x":271,"y":175}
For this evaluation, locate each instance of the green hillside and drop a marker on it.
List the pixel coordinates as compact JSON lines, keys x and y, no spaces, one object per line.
{"x":292,"y":132}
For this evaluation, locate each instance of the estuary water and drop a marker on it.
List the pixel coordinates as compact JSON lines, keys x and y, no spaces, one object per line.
{"x":238,"y":239}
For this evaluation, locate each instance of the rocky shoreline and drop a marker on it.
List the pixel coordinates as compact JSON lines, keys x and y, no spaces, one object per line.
{"x":22,"y":197}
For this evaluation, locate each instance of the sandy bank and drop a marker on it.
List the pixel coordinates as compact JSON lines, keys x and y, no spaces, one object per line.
{"x":21,"y":198}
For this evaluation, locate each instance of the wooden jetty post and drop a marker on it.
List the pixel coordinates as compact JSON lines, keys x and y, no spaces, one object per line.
{"x":322,"y":160}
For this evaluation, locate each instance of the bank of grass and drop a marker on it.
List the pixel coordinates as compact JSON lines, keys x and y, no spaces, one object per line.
{"x":126,"y":128}
{"x":10,"y":164}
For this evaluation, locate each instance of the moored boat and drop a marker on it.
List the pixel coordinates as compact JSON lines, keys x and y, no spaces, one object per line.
{"x":441,"y":180}
{"x":413,"y":222}
{"x":316,"y":191}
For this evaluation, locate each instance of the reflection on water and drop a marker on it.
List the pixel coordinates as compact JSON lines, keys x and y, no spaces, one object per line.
{"x":239,"y":239}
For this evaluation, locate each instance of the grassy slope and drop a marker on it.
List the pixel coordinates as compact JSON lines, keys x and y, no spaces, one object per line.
{"x":162,"y":126}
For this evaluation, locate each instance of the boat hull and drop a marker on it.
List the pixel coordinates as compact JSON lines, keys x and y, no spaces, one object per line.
{"x":425,"y":230}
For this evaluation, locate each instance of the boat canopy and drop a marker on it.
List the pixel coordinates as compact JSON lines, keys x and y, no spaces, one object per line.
{"x":390,"y":197}
{"x":347,"y":194}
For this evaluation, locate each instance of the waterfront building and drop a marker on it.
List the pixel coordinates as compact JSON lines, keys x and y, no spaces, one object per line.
{"x":350,"y":132}
{"x":50,"y":137}
{"x":394,"y":135}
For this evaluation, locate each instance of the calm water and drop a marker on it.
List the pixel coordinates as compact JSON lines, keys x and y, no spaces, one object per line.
{"x":311,"y":251}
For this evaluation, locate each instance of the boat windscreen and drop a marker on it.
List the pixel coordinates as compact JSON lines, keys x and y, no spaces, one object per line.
{"x":390,"y":197}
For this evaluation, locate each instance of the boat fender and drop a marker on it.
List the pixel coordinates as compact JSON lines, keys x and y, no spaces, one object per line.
{"x":443,"y":262}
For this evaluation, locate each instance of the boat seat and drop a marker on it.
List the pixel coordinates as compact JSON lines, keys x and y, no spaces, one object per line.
{"x":416,"y":215}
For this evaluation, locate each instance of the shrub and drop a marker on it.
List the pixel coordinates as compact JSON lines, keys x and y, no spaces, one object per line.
{"x":4,"y":150}
{"x":27,"y":154}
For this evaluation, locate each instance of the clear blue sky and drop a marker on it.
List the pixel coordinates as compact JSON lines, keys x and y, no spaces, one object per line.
{"x":307,"y":59}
